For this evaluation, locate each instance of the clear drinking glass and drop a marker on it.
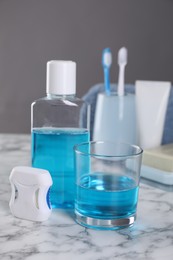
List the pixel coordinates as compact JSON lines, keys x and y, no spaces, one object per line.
{"x":107,"y":184}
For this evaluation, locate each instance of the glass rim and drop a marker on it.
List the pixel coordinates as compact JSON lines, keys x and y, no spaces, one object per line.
{"x":76,"y":149}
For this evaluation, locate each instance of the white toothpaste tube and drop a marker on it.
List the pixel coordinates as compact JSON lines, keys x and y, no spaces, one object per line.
{"x":151,"y":104}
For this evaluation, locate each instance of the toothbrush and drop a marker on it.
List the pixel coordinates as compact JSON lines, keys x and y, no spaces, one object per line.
{"x":122,"y":62}
{"x":106,"y":63}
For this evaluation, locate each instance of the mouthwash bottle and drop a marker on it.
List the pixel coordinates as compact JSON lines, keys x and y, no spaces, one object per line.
{"x":56,"y":126}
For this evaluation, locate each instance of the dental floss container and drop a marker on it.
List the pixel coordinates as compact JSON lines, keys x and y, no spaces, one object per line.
{"x":30,"y":193}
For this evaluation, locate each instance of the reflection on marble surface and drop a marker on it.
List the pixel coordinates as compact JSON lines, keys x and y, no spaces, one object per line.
{"x":61,"y":238}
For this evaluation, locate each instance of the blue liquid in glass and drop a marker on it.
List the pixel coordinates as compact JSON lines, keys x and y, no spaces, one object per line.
{"x":106,"y":196}
{"x":52,"y":149}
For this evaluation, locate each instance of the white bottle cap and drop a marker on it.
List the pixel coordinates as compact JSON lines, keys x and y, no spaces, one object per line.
{"x":61,"y":77}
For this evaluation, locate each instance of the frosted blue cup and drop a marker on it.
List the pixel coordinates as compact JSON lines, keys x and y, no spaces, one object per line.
{"x":107,"y":184}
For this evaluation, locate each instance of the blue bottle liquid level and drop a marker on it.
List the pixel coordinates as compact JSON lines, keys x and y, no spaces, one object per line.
{"x":52,"y":149}
{"x":106,"y":196}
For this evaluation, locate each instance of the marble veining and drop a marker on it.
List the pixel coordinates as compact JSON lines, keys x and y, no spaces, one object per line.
{"x":61,"y":238}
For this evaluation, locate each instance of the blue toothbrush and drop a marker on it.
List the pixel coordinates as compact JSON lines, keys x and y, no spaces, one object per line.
{"x":106,"y":63}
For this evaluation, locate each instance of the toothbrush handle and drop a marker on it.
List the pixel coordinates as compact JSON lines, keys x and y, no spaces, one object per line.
{"x":121,"y":81}
{"x":107,"y":81}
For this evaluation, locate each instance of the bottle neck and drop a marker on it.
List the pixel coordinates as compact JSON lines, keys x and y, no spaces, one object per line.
{"x":55,"y":96}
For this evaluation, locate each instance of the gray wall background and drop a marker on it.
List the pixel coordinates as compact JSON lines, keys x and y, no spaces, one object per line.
{"x":35,"y":31}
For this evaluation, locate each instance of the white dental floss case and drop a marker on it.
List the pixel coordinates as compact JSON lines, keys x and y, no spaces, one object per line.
{"x":30,"y":193}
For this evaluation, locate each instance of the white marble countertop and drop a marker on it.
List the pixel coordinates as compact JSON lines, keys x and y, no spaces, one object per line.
{"x":61,"y":238}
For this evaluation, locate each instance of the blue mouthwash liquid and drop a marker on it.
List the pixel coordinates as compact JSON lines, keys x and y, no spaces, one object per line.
{"x":106,"y":196}
{"x":52,"y":149}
